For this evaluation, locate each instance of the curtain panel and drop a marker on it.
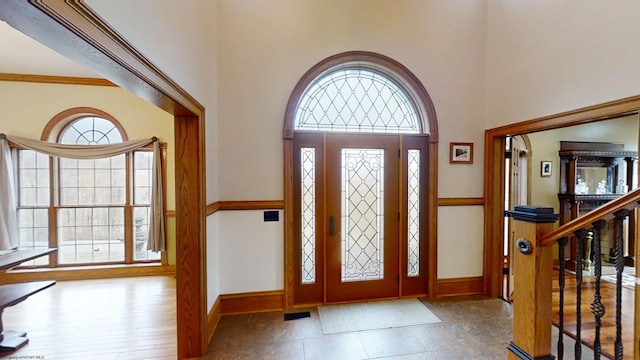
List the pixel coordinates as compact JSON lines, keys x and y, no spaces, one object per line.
{"x":8,"y":209}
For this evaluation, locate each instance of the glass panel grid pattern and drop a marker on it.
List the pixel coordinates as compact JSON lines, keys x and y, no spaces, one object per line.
{"x":88,"y":235}
{"x":90,"y":130}
{"x":33,"y":178}
{"x":33,"y":232}
{"x":93,"y":182}
{"x":308,"y":214}
{"x":413,"y":216}
{"x":34,"y":194}
{"x":142,"y":167}
{"x":356,"y":100}
{"x":362,"y":220}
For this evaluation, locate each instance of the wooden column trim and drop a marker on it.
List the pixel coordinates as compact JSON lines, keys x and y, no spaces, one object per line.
{"x":533,"y":285}
{"x":493,"y":215}
{"x":190,"y":236}
{"x":289,"y":271}
{"x":432,"y":210}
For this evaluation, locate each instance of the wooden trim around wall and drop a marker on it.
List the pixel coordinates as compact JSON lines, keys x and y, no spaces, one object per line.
{"x":460,"y":201}
{"x":252,"y":302}
{"x":63,"y":80}
{"x":213,"y":318}
{"x":461,"y":286}
{"x":494,"y":176}
{"x":263,"y":301}
{"x":244,"y":205}
{"x":86,"y":273}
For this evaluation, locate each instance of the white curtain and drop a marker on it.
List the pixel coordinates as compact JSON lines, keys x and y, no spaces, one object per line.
{"x":156,"y":238}
{"x":8,"y":205}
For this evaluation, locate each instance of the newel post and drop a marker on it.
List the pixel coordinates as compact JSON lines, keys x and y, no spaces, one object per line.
{"x":532,"y":269}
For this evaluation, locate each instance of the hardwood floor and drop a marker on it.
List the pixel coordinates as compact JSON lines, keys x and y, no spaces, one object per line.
{"x":608,"y":330}
{"x":114,"y":319}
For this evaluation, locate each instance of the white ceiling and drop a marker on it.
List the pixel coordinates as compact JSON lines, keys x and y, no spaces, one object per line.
{"x":22,"y":55}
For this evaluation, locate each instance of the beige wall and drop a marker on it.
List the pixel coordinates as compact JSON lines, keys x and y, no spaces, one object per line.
{"x":266,"y":47}
{"x":26,"y":108}
{"x":261,"y":49}
{"x":485,"y":63}
{"x":548,"y":56}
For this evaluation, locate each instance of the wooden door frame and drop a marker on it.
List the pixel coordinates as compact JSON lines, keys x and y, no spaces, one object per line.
{"x":429,"y":121}
{"x":494,"y":176}
{"x":76,"y":31}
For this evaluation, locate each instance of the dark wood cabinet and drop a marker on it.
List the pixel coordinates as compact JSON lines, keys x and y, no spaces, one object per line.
{"x":591,"y":174}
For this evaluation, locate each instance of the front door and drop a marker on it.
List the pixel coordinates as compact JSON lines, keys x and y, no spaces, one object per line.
{"x":362,"y":216}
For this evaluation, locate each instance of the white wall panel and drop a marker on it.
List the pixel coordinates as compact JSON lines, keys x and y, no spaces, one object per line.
{"x":251,"y":252}
{"x":460,"y":233}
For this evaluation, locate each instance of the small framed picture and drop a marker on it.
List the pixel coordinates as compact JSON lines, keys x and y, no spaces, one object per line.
{"x":461,"y":153}
{"x":545,"y":168}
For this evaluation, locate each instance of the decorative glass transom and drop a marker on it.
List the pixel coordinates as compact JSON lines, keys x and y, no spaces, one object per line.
{"x":362,"y":198}
{"x":356,"y":100}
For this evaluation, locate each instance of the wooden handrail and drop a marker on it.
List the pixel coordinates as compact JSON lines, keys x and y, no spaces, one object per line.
{"x":629,"y":201}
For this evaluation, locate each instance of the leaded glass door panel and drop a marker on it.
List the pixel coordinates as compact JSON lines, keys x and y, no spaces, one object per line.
{"x":362,"y":216}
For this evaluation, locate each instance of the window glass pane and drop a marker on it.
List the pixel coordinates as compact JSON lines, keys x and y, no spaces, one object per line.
{"x":140,"y":235}
{"x":413,"y":216}
{"x":308,"y":212}
{"x":33,"y":179}
{"x":92,"y":182}
{"x":356,"y":100}
{"x":143,"y":162}
{"x":33,"y":232}
{"x":90,"y":235}
{"x":90,"y":131}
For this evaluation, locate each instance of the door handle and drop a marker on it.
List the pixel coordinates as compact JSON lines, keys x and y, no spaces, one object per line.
{"x":332,"y":226}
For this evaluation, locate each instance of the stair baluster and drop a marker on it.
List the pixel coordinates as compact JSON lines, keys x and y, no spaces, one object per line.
{"x":597,"y":308}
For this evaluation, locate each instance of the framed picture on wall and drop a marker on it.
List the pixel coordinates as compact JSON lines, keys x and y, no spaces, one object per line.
{"x":460,"y":153}
{"x":545,"y":168}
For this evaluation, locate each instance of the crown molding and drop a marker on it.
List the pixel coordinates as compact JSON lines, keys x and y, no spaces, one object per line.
{"x":48,"y":79}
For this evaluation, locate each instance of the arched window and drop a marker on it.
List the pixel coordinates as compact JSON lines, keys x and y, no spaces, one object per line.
{"x":92,"y":211}
{"x":354,"y":98}
{"x":361,"y":127}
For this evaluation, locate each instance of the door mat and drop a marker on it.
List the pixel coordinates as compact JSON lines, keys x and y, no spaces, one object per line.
{"x":374,"y":315}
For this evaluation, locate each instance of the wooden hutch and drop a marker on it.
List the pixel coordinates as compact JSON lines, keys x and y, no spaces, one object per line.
{"x":591,"y":174}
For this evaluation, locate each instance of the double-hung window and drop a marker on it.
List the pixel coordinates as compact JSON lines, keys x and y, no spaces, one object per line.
{"x":92,"y":211}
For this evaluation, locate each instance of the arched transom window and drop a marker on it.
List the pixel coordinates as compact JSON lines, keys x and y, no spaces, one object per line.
{"x":357,"y":99}
{"x":90,"y":130}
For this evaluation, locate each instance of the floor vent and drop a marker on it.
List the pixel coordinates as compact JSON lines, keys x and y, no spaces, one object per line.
{"x":297,"y":315}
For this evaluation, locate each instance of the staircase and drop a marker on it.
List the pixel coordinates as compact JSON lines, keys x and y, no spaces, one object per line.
{"x":594,"y":306}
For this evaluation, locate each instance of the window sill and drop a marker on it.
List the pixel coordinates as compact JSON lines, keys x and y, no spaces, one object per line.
{"x":87,"y":272}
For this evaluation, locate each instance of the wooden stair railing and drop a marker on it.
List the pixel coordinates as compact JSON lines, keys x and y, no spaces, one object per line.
{"x":533,"y":269}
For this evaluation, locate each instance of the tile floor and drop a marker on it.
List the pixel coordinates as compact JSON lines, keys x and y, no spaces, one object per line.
{"x":471,"y":328}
